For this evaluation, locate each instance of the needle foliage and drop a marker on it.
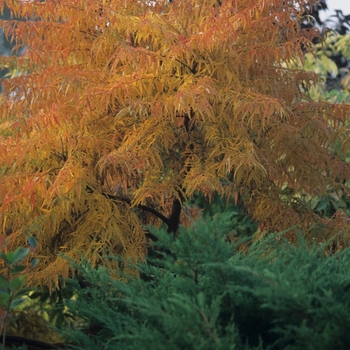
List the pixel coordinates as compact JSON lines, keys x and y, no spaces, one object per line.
{"x":204,"y":294}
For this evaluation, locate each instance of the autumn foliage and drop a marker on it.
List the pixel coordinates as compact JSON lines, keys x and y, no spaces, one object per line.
{"x":121,"y":110}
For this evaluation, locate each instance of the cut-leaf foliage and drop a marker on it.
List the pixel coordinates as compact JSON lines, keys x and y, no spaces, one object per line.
{"x":127,"y":108}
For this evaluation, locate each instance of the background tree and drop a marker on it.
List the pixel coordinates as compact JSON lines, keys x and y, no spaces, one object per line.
{"x":332,"y":60}
{"x":8,"y":65}
{"x":126,"y":109}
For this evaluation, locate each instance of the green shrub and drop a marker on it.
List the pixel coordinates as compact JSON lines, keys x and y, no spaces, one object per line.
{"x":204,"y":294}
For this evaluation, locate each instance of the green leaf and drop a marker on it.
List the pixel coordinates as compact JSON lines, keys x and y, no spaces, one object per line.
{"x":13,"y":257}
{"x":16,"y":283}
{"x":23,"y":291}
{"x":322,"y":204}
{"x":333,"y":93}
{"x":34,"y":262}
{"x":313,"y":203}
{"x":342,"y":204}
{"x":17,"y":302}
{"x":21,"y":253}
{"x":17,"y":269}
{"x":4,"y":299}
{"x":4,"y":257}
{"x":4,"y":290}
{"x":3,"y":281}
{"x":9,"y":257}
{"x":32,"y":242}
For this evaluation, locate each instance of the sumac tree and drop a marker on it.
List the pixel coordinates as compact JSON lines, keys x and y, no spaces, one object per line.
{"x":126,"y":108}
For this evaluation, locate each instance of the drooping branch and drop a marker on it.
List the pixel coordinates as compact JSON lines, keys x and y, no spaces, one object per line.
{"x":192,"y":70}
{"x":128,"y":201}
{"x":139,"y":206}
{"x":172,"y":222}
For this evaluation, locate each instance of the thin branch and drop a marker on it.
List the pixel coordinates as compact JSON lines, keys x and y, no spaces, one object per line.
{"x":139,"y":206}
{"x":128,"y":201}
{"x":187,"y":66}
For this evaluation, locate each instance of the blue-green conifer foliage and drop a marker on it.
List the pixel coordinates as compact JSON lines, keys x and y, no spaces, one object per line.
{"x":202,"y":292}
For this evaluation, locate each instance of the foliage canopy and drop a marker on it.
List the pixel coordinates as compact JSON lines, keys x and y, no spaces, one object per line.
{"x":127,"y":105}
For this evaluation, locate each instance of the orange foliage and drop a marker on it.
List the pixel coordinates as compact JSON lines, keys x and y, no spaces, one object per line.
{"x":130,"y":105}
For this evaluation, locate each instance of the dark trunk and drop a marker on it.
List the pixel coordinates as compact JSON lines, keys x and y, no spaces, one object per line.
{"x":174,"y":219}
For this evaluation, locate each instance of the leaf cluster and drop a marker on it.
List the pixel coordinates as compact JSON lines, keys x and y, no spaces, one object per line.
{"x":12,"y":282}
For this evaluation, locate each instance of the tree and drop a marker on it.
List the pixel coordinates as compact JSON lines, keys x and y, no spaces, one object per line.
{"x":331,"y":62}
{"x":332,"y":59}
{"x":128,"y":108}
{"x":8,"y":67}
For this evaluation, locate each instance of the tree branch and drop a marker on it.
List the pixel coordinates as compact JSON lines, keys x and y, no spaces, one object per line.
{"x":32,"y":343}
{"x":128,"y":201}
{"x":139,"y":206}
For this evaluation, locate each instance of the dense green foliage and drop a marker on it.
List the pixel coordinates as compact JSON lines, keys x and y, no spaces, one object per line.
{"x":243,"y":224}
{"x":205,"y":293}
